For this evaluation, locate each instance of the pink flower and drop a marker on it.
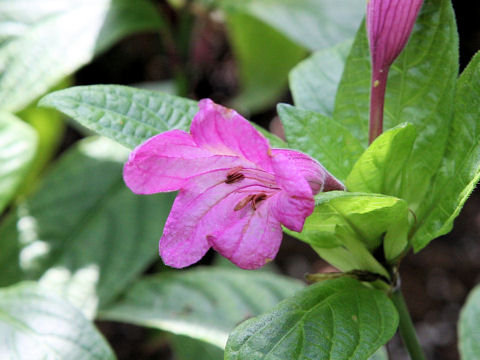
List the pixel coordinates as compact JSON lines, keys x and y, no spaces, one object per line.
{"x":389,"y":24}
{"x":234,"y":190}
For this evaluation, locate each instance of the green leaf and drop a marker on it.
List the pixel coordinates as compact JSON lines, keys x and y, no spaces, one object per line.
{"x":36,"y":325}
{"x":186,"y":348}
{"x":127,"y":115}
{"x":460,"y":169}
{"x":322,"y":138}
{"x":311,"y":23}
{"x":264,"y":58}
{"x":420,"y":91}
{"x":358,"y":223}
{"x":83,"y":232}
{"x":379,"y":169}
{"x":314,"y":81}
{"x":204,"y":304}
{"x":58,"y":38}
{"x":469,"y":327}
{"x":335,"y":319}
{"x":18,"y":145}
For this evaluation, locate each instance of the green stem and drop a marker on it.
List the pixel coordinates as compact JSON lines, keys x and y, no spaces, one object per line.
{"x":407,"y":330}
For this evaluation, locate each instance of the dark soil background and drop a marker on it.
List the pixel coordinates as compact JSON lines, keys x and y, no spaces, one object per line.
{"x":435,"y":282}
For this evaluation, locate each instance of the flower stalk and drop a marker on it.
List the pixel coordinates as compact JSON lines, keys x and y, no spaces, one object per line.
{"x":407,"y":330}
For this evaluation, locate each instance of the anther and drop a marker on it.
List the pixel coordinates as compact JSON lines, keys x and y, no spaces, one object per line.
{"x":234,"y":175}
{"x":243,"y":202}
{"x":257,"y":199}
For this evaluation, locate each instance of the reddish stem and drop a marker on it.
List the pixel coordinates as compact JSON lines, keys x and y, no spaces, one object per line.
{"x":377,"y":101}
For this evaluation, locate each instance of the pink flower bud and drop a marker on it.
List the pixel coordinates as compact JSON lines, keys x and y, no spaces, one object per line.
{"x":389,"y":24}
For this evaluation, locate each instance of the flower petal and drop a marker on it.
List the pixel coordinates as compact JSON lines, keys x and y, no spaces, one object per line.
{"x":316,"y":175}
{"x":252,"y":240}
{"x":224,"y":132}
{"x":166,"y":161}
{"x":204,"y":207}
{"x":295,"y":202}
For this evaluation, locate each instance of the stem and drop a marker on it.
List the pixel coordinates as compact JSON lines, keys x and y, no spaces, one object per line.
{"x":407,"y":330}
{"x":377,"y":101}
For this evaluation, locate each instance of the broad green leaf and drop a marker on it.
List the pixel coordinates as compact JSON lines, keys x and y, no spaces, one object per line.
{"x":36,"y":325}
{"x":314,"y":81}
{"x":420,"y":91}
{"x":18,"y":146}
{"x":379,"y":169}
{"x":128,"y":115}
{"x":314,"y":24}
{"x":381,"y":354}
{"x":264,"y":58}
{"x":54,"y":38}
{"x":322,"y":138}
{"x":83,"y":232}
{"x":460,"y":169}
{"x":334,"y":319}
{"x":205,"y":304}
{"x":469,"y":327}
{"x":357,"y":223}
{"x":187,"y":348}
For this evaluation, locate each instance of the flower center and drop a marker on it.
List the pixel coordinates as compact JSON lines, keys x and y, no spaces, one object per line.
{"x":263,"y":179}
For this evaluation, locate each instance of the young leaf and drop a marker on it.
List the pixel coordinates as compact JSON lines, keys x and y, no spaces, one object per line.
{"x":322,"y":138}
{"x":357,"y":222}
{"x":61,"y":37}
{"x":420,"y":91}
{"x":379,"y":169}
{"x":204,"y":304}
{"x":335,"y":319}
{"x":314,"y":81}
{"x":460,"y":169}
{"x":263,"y":73}
{"x":18,"y":145}
{"x":83,"y":232}
{"x":469,"y":327}
{"x":36,"y":325}
{"x":311,"y":23}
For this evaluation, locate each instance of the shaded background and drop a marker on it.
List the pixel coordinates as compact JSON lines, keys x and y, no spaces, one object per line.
{"x":436,"y":281}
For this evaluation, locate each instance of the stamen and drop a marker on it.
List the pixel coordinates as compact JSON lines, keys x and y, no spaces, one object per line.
{"x":243,"y":202}
{"x":257,"y":198}
{"x":234,"y":175}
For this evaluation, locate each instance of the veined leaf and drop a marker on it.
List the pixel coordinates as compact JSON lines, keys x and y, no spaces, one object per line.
{"x":83,"y":231}
{"x":18,"y":145}
{"x":322,"y":138}
{"x":420,"y":91}
{"x":314,"y":81}
{"x":58,"y":37}
{"x":36,"y":325}
{"x":460,"y":169}
{"x":204,"y":304}
{"x":128,"y":115}
{"x":334,"y":319}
